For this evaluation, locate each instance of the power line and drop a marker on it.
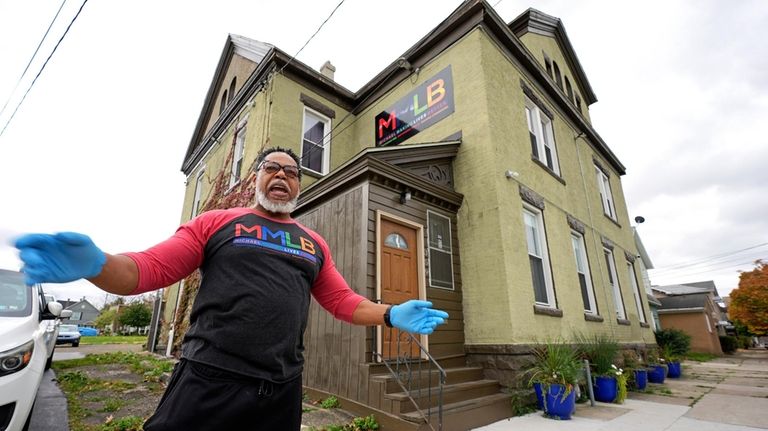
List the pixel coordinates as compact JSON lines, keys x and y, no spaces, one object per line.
{"x":43,"y":67}
{"x":700,"y":261}
{"x":311,"y":37}
{"x":33,"y":57}
{"x":686,"y":275}
{"x":713,"y":266}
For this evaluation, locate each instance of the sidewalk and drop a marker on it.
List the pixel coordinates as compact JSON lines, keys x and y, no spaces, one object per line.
{"x":725,"y":394}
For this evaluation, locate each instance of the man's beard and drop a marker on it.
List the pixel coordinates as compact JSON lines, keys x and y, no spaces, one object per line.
{"x":276,"y":207}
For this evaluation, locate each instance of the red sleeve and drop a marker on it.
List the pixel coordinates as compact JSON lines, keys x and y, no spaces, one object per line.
{"x":330,"y":289}
{"x":178,"y":256}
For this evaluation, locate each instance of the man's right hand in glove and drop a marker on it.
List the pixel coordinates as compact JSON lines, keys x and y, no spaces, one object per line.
{"x":59,"y":258}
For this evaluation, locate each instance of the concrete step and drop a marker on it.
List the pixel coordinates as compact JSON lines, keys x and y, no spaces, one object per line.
{"x":399,"y":403}
{"x":467,"y":414}
{"x":426,"y":378}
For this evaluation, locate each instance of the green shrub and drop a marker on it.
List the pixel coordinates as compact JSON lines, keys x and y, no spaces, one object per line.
{"x":728,"y":343}
{"x":601,"y":350}
{"x":674,"y":342}
{"x":330,"y":403}
{"x":745,"y":342}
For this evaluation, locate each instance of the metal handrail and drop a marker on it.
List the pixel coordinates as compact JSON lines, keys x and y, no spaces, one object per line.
{"x":400,"y":366}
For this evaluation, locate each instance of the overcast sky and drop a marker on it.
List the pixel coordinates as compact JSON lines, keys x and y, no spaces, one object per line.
{"x":98,"y":143}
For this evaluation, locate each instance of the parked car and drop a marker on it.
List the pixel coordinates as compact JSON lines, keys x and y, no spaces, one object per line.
{"x":88,"y":332}
{"x":68,"y":334}
{"x":28,"y":327}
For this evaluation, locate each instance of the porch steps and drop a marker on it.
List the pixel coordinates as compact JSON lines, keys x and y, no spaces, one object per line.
{"x":469,"y":399}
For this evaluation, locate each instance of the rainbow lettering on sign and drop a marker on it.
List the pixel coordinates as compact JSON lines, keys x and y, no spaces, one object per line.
{"x":411,"y":114}
{"x":262,"y":236}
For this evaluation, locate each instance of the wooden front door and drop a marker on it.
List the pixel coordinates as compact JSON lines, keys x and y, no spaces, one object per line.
{"x":399,"y":280}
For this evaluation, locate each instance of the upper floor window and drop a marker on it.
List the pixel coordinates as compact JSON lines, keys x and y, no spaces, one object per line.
{"x":232,"y":89}
{"x":578,"y":102}
{"x":604,"y":185}
{"x":315,"y":144}
{"x":198,"y":193}
{"x":558,"y":77}
{"x":223,"y":103}
{"x":568,"y":89}
{"x":237,"y":157}
{"x":582,"y":270}
{"x":636,"y":292}
{"x":613,"y":280}
{"x":543,"y":288}
{"x":542,"y":136}
{"x":548,"y":65}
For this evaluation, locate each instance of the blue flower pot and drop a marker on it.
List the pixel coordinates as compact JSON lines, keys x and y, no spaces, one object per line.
{"x":539,"y":396}
{"x":557,"y":404}
{"x":641,"y":379}
{"x":675,"y":370}
{"x":606,"y":389}
{"x":657,"y":373}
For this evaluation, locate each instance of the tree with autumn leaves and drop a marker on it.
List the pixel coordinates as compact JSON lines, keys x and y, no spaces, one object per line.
{"x":749,"y":302}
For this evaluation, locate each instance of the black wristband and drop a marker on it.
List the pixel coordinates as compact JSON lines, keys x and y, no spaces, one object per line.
{"x":387,"y":317}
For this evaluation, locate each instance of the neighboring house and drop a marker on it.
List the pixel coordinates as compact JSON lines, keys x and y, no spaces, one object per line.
{"x":644,"y":264}
{"x":83,"y":312}
{"x":718,"y":314}
{"x":693,"y":314}
{"x":467,"y":173}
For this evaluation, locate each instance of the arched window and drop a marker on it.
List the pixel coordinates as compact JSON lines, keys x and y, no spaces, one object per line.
{"x":568,"y":89}
{"x":558,"y":78}
{"x":223,"y":102}
{"x":395,"y":240}
{"x":232,"y":89}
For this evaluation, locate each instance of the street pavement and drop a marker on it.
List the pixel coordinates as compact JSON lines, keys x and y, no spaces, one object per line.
{"x":725,"y":394}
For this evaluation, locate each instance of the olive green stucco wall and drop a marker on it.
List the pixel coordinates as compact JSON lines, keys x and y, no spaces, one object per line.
{"x":539,"y":45}
{"x":498,"y":293}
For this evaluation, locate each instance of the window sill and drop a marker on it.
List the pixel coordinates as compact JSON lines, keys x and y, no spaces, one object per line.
{"x":546,"y":168}
{"x":547,"y":311}
{"x":311,"y":173}
{"x":624,"y":322}
{"x":645,"y":325}
{"x":611,"y":219}
{"x":231,"y":188}
{"x":593,"y":317}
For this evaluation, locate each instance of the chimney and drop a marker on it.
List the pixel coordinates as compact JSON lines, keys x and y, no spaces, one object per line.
{"x":327,"y":70}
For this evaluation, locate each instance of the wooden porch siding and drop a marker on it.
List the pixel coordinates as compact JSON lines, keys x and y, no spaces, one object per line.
{"x":335,"y":350}
{"x":449,"y":339}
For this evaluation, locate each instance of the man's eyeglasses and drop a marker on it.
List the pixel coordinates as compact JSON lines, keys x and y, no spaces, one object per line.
{"x":291,"y":171}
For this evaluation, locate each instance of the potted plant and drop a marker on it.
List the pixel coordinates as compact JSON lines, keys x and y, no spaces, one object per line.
{"x":674,"y":345}
{"x":657,"y":369}
{"x":601,"y":351}
{"x":636,"y":371}
{"x":555,"y":369}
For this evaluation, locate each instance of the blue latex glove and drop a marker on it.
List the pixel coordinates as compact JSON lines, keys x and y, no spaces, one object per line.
{"x":59,"y":258}
{"x":416,"y":316}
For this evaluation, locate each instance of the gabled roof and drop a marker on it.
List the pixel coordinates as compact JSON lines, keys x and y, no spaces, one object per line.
{"x":684,"y":302}
{"x":535,"y":21}
{"x":235,"y":44}
{"x":469,"y":15}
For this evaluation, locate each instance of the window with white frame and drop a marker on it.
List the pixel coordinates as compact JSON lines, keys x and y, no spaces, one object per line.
{"x":198,"y":193}
{"x":440,"y":251}
{"x":541,"y":135}
{"x":315,"y":143}
{"x":604,"y":185}
{"x":636,"y":291}
{"x":613,"y":280}
{"x":543,"y":290}
{"x":76,"y":315}
{"x":582,"y":270}
{"x":237,"y":158}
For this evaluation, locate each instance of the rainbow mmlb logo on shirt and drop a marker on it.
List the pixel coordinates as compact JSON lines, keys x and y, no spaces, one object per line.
{"x":280,"y":240}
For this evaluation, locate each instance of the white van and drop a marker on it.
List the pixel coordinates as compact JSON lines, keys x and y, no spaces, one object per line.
{"x":28,"y":330}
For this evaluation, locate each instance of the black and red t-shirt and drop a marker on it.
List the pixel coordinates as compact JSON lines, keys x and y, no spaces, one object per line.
{"x":251,"y":311}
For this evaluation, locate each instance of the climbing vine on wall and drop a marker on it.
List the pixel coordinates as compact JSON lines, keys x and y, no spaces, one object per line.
{"x":221,"y":196}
